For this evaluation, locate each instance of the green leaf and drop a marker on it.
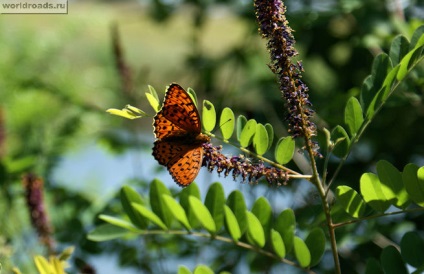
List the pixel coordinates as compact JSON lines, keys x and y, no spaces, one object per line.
{"x":231,"y":224}
{"x":182,"y":269}
{"x":150,"y":215}
{"x":373,"y":267}
{"x":202,"y":214}
{"x":208,"y":116}
{"x":278,"y":244}
{"x":367,"y":92}
{"x":263,"y":211}
{"x":260,"y":140}
{"x":412,"y":249}
{"x":391,"y":184}
{"x":177,"y":211}
{"x":316,"y":245}
{"x":193,"y":95}
{"x":409,"y":59}
{"x":301,"y":252}
{"x":246,"y":136}
{"x":383,"y":93}
{"x":342,"y":141}
{"x":353,"y":115}
{"x":284,"y":150}
{"x":270,"y":131}
{"x":417,"y":38}
{"x":413,"y":180}
{"x":154,"y":103}
{"x":127,"y":196}
{"x":398,"y":49}
{"x":392,"y":262}
{"x":241,"y":122}
{"x":285,"y":224}
{"x":380,"y":67}
{"x":191,"y":190}
{"x":119,"y":222}
{"x":107,"y":232}
{"x":157,"y":189}
{"x":236,"y":203}
{"x":351,"y":201}
{"x":128,"y":112}
{"x":372,"y":192}
{"x":203,"y":269}
{"x":226,"y":123}
{"x":215,"y":201}
{"x":255,"y":231}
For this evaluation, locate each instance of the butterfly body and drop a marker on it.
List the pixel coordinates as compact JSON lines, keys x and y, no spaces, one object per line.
{"x":179,"y":139}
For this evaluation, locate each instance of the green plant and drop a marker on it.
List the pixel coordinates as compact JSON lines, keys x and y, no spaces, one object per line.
{"x":273,"y":234}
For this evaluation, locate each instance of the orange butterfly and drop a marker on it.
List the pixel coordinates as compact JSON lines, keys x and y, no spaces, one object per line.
{"x":179,"y":141}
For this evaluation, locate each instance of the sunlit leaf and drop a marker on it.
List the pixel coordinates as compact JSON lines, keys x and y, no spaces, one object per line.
{"x":226,"y":123}
{"x":150,"y":215}
{"x":417,"y":37}
{"x":231,"y":224}
{"x":249,"y":130}
{"x":203,"y":269}
{"x":128,"y":112}
{"x":316,"y":245}
{"x":202,"y":214}
{"x":372,"y":192}
{"x":301,"y":252}
{"x":263,"y":211}
{"x":193,"y":95}
{"x":127,"y":196}
{"x":208,"y":116}
{"x":107,"y":232}
{"x":191,"y":190}
{"x":412,"y":249}
{"x":236,"y":203}
{"x":410,"y":58}
{"x":392,"y":262}
{"x":177,"y":210}
{"x":182,"y":269}
{"x":270,"y":131}
{"x":215,"y":201}
{"x":260,"y":140}
{"x":284,"y":150}
{"x":351,"y":201}
{"x":118,"y":222}
{"x":353,"y":115}
{"x":255,"y":230}
{"x":157,"y":189}
{"x":391,"y":184}
{"x":278,"y":244}
{"x":414,"y":183}
{"x":241,"y":122}
{"x":285,"y":224}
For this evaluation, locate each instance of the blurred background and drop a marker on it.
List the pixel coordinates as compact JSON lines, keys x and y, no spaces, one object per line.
{"x":59,"y":74}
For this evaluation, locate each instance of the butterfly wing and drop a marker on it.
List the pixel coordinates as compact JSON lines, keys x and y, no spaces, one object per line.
{"x":178,"y":116}
{"x":185,"y":167}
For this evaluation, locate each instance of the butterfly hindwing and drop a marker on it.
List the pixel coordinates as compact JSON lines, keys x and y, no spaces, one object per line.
{"x":185,"y":168}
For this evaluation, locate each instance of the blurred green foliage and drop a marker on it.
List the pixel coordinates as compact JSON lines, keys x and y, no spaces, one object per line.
{"x":58,"y":76}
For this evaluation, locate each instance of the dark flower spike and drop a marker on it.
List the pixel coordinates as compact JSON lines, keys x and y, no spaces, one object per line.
{"x":240,"y":166}
{"x":274,"y":27}
{"x":34,"y":198}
